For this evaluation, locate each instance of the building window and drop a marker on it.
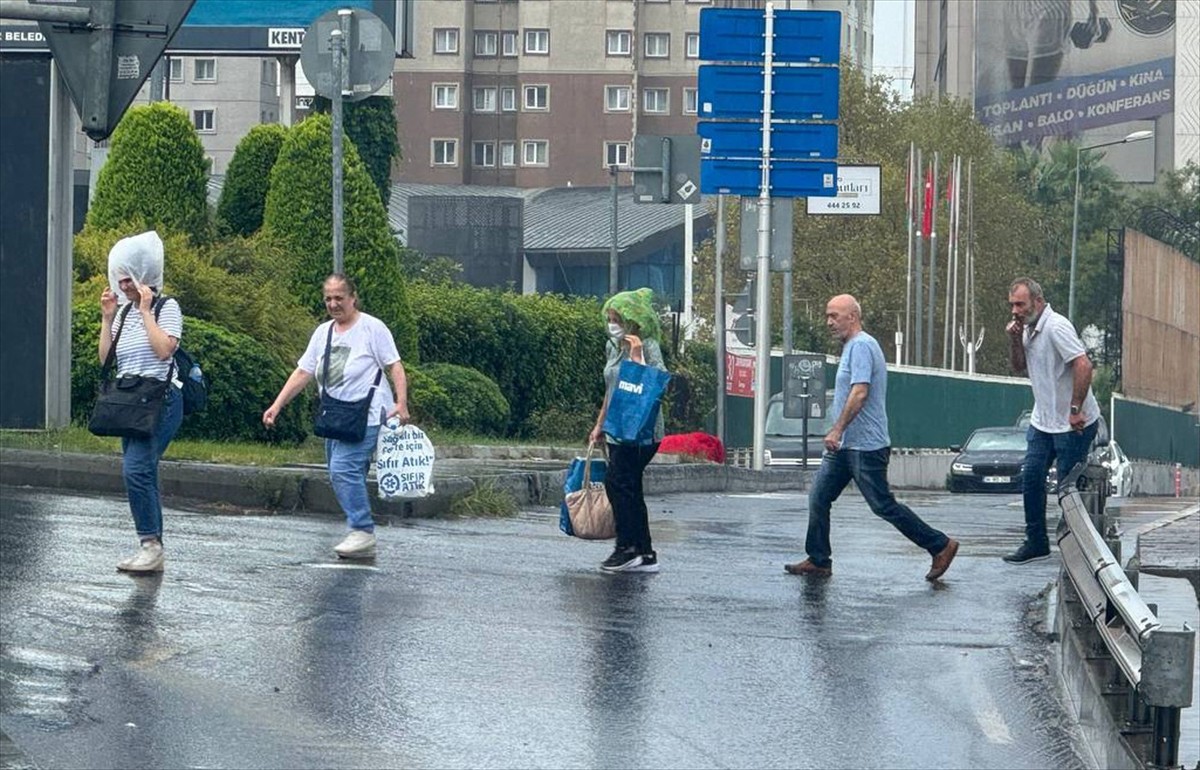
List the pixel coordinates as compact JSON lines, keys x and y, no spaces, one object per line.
{"x":508,"y":43}
{"x":445,"y":40}
{"x":445,"y":96}
{"x":484,"y":99}
{"x":483,"y":154}
{"x":508,"y":99}
{"x":205,"y":121}
{"x":656,"y":101}
{"x":508,"y":154}
{"x":175,"y":69}
{"x":537,"y":97}
{"x":616,"y":98}
{"x":535,"y":152}
{"x":693,"y":45}
{"x":205,"y":71}
{"x":618,"y":42}
{"x":689,"y":101}
{"x":537,"y":41}
{"x":485,"y":43}
{"x":657,"y":45}
{"x":616,"y":154}
{"x":445,"y":152}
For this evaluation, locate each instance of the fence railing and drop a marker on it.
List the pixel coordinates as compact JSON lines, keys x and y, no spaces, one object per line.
{"x":1156,"y":664}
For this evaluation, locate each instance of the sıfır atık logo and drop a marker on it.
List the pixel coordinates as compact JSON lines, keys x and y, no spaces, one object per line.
{"x":629,"y":386}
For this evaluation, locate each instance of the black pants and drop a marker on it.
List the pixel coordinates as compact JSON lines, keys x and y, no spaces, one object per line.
{"x":623,"y":483}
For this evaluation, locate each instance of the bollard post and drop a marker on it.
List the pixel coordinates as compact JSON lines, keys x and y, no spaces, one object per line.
{"x":1178,"y":479}
{"x":1168,"y":659}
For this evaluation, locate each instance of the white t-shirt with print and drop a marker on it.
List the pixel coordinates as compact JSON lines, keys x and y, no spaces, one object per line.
{"x":356,"y":356}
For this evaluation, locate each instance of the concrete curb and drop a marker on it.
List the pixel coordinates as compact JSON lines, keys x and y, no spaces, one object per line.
{"x":308,"y":489}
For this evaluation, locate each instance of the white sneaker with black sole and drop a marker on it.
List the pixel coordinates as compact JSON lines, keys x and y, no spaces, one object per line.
{"x":357,"y":545}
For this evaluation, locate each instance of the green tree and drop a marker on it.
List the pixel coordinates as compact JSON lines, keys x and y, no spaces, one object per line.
{"x":298,"y":217}
{"x":371,"y":125}
{"x":155,"y":177}
{"x":240,"y":209}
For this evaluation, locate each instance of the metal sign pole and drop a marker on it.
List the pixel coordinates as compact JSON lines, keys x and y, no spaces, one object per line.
{"x":762,"y":373}
{"x":719,"y":316}
{"x":335,"y":42}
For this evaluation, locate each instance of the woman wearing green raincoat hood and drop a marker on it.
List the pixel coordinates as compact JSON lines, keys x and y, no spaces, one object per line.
{"x":634,"y":335}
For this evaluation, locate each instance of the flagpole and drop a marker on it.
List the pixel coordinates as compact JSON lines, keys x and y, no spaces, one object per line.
{"x":919,"y":316}
{"x":908,"y":275}
{"x":957,"y":226}
{"x":931,"y":308}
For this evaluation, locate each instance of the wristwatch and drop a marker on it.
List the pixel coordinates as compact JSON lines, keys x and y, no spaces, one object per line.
{"x":1075,"y":408}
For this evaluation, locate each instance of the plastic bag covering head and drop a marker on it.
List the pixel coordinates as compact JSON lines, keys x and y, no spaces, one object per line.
{"x":637,"y":306}
{"x":139,"y":257}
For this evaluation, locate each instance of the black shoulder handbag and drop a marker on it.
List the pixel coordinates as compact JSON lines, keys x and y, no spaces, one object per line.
{"x":337,"y":419}
{"x":129,"y":406}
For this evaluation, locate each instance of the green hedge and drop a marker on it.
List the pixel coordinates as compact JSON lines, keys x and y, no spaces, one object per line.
{"x":240,"y":209}
{"x":243,"y":377}
{"x":155,"y":177}
{"x":544,"y":351}
{"x":298,"y":216}
{"x":476,"y":404}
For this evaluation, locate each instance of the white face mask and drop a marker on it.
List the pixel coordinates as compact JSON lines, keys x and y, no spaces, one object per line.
{"x":615,"y":331}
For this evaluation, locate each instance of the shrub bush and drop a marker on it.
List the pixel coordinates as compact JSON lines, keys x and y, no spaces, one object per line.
{"x":570,"y":425}
{"x":543,"y":351}
{"x":691,"y":400}
{"x":155,"y":176}
{"x":243,"y":378}
{"x":476,"y":404}
{"x":428,"y":402}
{"x":240,"y":209}
{"x":371,"y":125}
{"x":298,"y":216}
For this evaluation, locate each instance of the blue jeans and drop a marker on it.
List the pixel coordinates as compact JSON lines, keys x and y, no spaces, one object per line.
{"x":1041,"y":449}
{"x":623,"y":485}
{"x":348,"y":465}
{"x":139,"y":467}
{"x":868,"y":469}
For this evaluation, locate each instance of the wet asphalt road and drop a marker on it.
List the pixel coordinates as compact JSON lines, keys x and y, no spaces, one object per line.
{"x":497,"y":643}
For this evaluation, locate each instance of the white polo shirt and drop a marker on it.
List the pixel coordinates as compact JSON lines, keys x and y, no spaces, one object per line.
{"x":1050,"y":347}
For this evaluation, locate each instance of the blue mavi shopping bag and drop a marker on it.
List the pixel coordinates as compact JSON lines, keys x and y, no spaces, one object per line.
{"x":574,"y":483}
{"x":633,"y":407}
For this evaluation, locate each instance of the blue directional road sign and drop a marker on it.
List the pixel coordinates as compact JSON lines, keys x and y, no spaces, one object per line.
{"x":735,"y":34}
{"x":788,"y":179}
{"x":732,"y":91}
{"x":813,"y":141}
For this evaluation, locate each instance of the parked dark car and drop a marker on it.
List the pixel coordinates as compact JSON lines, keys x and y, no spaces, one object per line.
{"x":785,"y":439}
{"x":990,"y":461}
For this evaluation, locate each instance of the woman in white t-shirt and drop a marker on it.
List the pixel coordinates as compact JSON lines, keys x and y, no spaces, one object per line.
{"x":145,"y":347}
{"x":361,"y":346}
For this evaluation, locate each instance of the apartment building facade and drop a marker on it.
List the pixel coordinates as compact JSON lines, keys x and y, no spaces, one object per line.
{"x":545,"y":93}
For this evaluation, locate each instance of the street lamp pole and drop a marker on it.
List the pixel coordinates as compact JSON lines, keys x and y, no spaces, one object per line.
{"x":1136,"y":136}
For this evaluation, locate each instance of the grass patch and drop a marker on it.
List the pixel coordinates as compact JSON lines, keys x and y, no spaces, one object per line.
{"x":485,"y":500}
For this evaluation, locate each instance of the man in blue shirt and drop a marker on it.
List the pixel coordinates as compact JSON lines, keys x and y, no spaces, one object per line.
{"x":858,"y":447}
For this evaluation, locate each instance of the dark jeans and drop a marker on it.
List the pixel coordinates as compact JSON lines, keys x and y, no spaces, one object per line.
{"x":869,"y":471}
{"x":1041,"y":449}
{"x":139,"y":467}
{"x":623,"y":484}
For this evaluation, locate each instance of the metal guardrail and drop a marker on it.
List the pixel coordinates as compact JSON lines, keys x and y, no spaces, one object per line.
{"x":1156,"y":663}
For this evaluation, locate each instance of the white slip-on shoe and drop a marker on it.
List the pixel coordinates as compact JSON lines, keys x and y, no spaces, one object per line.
{"x":357,"y":545}
{"x":148,"y":558}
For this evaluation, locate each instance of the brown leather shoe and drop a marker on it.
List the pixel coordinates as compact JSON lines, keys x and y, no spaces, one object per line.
{"x":807,"y":567}
{"x":941,"y":562}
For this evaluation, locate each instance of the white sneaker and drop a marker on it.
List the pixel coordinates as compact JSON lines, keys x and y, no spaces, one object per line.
{"x":148,"y":558}
{"x":357,"y":545}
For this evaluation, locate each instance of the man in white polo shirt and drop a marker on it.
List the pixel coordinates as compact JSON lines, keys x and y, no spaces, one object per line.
{"x":1045,"y":346}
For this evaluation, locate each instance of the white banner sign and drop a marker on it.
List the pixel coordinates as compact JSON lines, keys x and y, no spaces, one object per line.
{"x":858,"y":192}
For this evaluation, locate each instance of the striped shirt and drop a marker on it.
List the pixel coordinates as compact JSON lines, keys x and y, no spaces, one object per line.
{"x":134,"y":353}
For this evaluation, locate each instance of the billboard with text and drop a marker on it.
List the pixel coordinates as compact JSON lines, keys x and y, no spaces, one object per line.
{"x":1064,"y":67}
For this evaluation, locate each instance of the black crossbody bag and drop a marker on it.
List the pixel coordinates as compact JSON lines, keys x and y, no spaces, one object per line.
{"x":130,"y":406}
{"x":337,"y":419}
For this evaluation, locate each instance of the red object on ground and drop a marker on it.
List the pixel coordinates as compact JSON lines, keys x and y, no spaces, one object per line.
{"x":696,"y":444}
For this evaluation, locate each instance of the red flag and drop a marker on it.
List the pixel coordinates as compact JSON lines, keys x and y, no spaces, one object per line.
{"x":927,"y":214}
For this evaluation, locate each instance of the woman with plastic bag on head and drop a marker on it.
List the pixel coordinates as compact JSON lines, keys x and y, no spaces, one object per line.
{"x":634,"y":335}
{"x":143,"y":338}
